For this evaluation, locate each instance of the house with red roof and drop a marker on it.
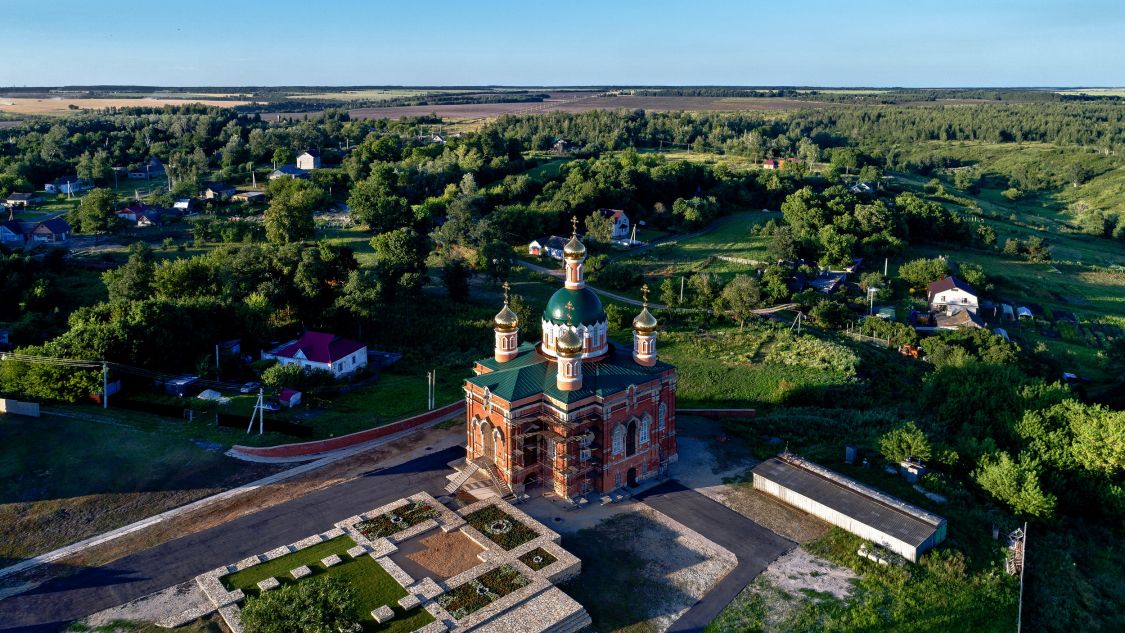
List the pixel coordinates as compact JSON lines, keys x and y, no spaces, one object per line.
{"x":620,"y":222}
{"x":321,"y":350}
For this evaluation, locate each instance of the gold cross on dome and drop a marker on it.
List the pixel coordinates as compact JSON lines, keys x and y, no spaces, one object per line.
{"x":644,"y":293}
{"x":569,"y":310}
{"x":506,"y":286}
{"x":574,"y":223}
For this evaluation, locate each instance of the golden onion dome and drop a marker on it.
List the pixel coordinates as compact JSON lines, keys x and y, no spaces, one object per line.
{"x":574,"y":249}
{"x":506,"y":320}
{"x":644,"y":323}
{"x":569,"y":343}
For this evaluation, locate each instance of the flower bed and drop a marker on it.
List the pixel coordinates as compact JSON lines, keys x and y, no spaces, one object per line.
{"x":537,"y":558}
{"x":397,"y":520}
{"x":500,"y":527}
{"x":481,"y":591}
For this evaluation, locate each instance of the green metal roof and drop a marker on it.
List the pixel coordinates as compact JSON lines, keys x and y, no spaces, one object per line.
{"x":587,"y":307}
{"x":530,"y":374}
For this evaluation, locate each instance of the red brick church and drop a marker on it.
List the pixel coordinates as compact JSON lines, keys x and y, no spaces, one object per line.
{"x":575,"y":413}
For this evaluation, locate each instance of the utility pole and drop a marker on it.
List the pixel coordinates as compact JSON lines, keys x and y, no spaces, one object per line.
{"x":885,"y":262}
{"x":217,"y":360}
{"x":105,"y":385}
{"x":260,"y":412}
{"x":681,"y":290}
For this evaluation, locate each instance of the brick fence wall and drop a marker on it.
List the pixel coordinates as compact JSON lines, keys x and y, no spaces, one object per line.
{"x":316,"y":447}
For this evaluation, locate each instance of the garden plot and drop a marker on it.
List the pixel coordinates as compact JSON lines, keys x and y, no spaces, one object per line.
{"x":469,"y":581}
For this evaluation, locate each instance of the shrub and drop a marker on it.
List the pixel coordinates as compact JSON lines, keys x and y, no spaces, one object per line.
{"x":1016,"y":484}
{"x":906,"y":441}
{"x":317,"y":605}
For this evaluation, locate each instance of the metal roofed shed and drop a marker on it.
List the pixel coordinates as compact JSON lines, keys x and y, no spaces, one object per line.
{"x":878,"y":517}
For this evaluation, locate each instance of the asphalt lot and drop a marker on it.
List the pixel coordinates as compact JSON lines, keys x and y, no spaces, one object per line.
{"x":755,"y":546}
{"x":56,"y":603}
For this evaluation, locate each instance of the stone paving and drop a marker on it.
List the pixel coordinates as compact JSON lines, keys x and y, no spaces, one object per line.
{"x":537,"y":607}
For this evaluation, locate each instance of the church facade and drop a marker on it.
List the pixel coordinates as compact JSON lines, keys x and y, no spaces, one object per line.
{"x":575,"y":413}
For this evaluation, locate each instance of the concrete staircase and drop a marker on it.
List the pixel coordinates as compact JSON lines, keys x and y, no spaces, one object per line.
{"x":463,"y":475}
{"x":494,"y":473}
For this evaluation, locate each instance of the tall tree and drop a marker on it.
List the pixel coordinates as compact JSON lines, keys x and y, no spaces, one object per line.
{"x":289,"y":218}
{"x":740,"y":297}
{"x":95,"y":213}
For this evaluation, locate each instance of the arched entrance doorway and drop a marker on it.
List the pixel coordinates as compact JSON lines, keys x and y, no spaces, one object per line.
{"x":487,"y":446}
{"x":631,"y":478}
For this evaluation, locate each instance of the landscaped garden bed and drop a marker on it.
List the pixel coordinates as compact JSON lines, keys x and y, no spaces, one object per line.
{"x":397,"y":520}
{"x":481,"y":591}
{"x":500,"y":527}
{"x":373,"y":586}
{"x":538,"y":558}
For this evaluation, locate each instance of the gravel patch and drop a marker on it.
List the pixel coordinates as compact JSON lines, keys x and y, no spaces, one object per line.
{"x":154,"y":607}
{"x":799,"y":570}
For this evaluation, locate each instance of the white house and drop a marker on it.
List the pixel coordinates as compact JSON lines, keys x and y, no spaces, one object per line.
{"x":321,"y":350}
{"x":620,"y":222}
{"x":309,"y":160}
{"x":550,"y":246}
{"x":950,"y":294}
{"x":68,"y":185}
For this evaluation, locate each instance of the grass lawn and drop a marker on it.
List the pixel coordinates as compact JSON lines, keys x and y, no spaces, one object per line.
{"x":724,"y":368}
{"x":63,"y":479}
{"x":373,"y":585}
{"x":731,"y":238}
{"x":393,"y":396}
{"x":358,"y":238}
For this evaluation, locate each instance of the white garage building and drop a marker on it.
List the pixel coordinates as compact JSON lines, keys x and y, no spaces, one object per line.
{"x":880,"y":518}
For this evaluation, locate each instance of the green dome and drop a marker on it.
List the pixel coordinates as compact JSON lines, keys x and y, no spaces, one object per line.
{"x":587,"y":307}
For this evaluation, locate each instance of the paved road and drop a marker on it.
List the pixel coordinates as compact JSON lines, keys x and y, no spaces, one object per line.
{"x":56,"y":603}
{"x":755,"y":546}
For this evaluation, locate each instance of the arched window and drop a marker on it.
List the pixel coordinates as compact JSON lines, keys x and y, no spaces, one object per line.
{"x":646,"y":422}
{"x":662,"y":413}
{"x":618,"y":439}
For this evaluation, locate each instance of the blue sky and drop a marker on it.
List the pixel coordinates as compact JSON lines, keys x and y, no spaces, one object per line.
{"x":569,"y":42}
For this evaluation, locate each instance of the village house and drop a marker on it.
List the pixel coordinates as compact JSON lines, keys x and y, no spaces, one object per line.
{"x":69,"y":185}
{"x":288,"y":171}
{"x":218,"y":191}
{"x":950,"y":295}
{"x":547,"y":246}
{"x":249,"y":196}
{"x":620,"y":222}
{"x":53,"y":231}
{"x":22,"y":200}
{"x":11,"y":233}
{"x":321,"y":350}
{"x":184,"y":206}
{"x":309,"y":160}
{"x":152,"y":168}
